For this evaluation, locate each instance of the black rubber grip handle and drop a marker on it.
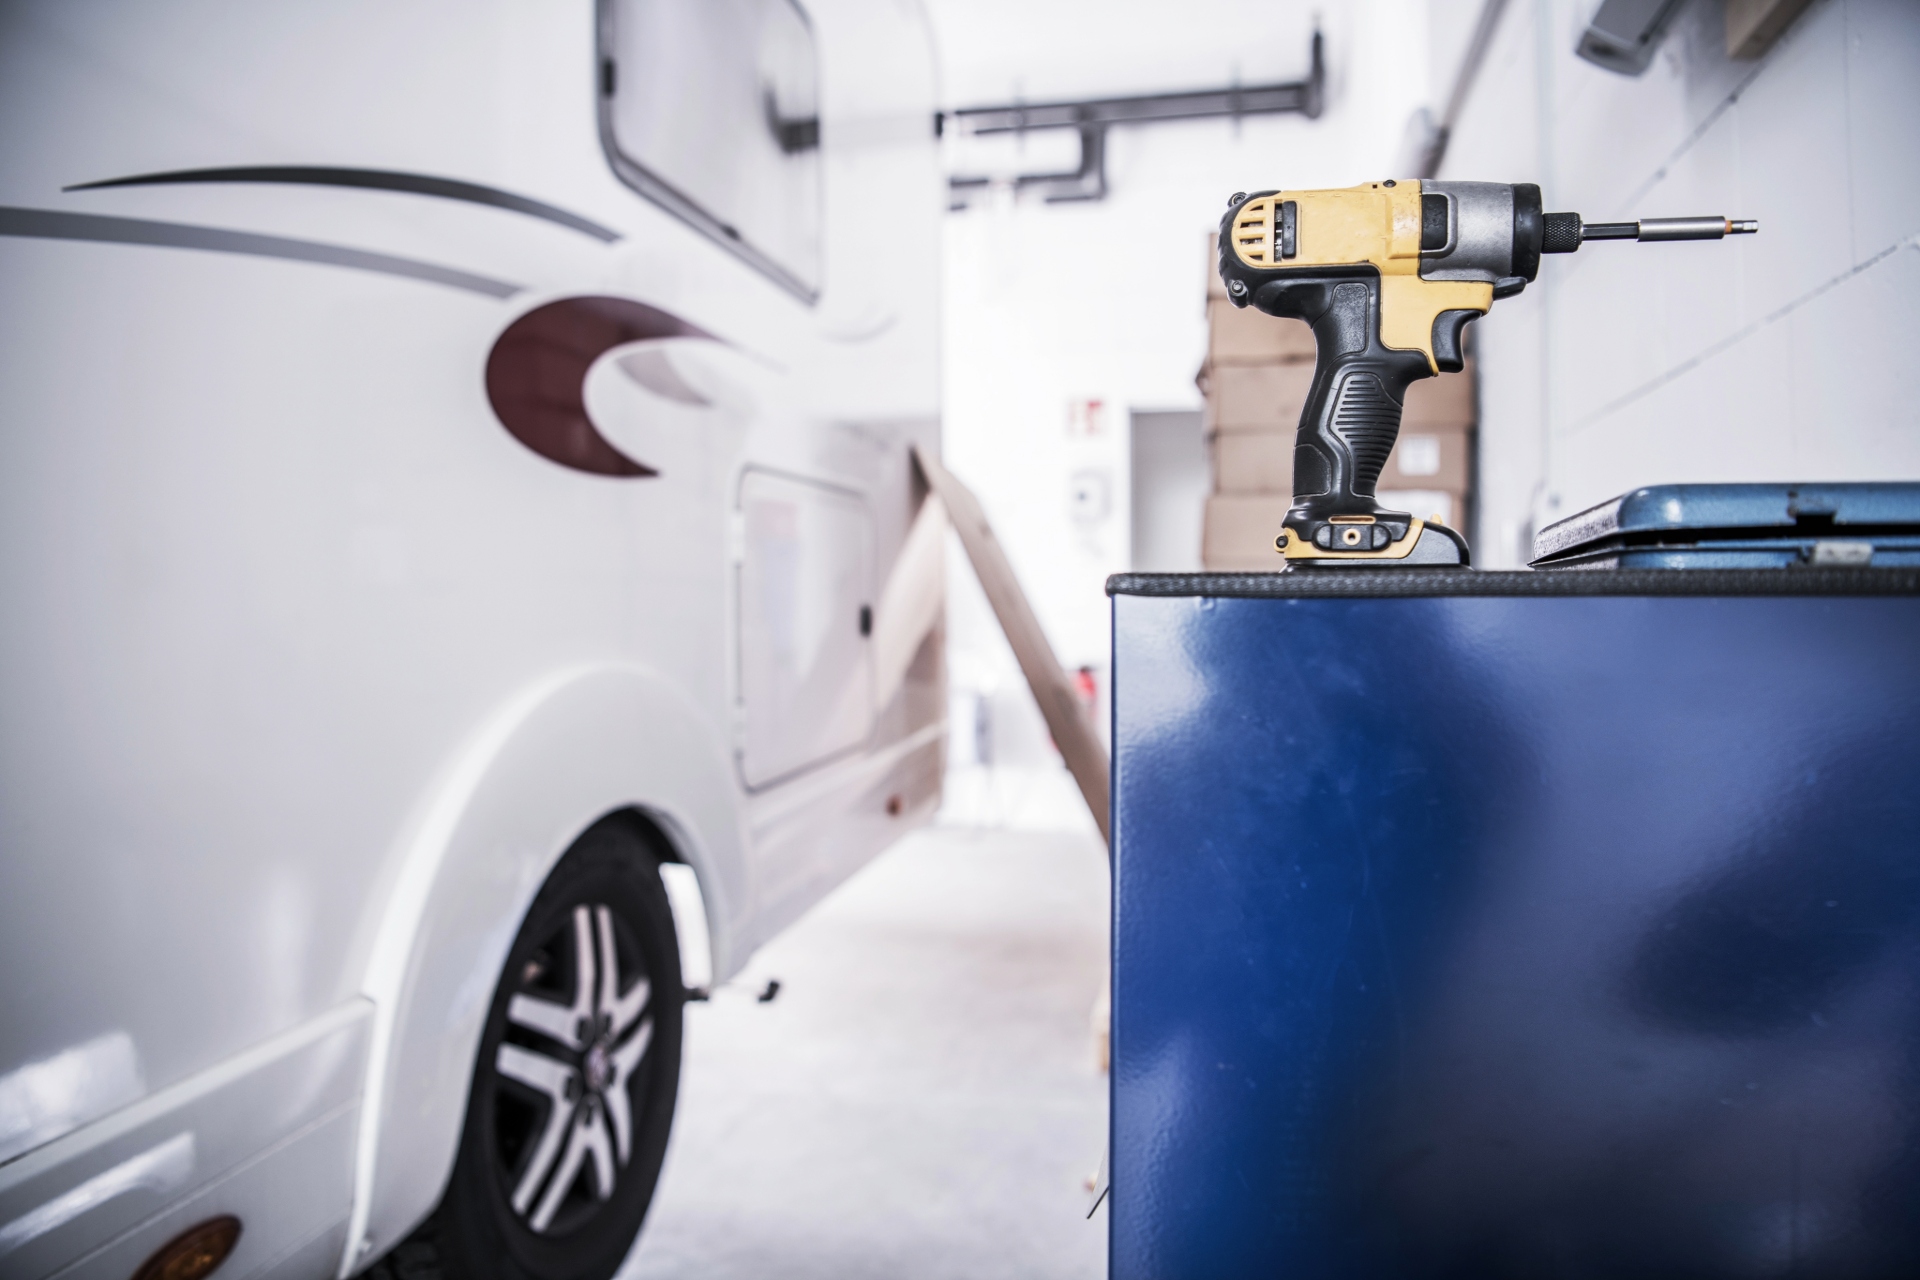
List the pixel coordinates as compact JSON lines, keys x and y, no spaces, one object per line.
{"x":1352,"y":414}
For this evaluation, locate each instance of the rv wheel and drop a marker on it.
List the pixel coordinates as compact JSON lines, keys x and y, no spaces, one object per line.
{"x":573,"y":1091}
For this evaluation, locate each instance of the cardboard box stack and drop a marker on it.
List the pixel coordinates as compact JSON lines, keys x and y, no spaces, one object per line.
{"x":1255,"y":380}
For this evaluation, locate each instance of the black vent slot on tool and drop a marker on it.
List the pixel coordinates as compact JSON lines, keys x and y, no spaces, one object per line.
{"x":1367,"y":419}
{"x":1433,"y":223}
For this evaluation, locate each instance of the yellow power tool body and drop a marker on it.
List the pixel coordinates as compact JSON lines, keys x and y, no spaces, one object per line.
{"x":1389,"y":274}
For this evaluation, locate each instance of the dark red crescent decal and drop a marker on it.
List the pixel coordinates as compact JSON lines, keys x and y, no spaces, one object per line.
{"x":537,"y":370}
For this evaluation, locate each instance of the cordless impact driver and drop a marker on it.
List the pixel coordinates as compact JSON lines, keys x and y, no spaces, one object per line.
{"x":1388,"y":274}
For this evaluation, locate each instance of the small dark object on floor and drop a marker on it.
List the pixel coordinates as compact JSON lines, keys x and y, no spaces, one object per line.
{"x":772,"y":990}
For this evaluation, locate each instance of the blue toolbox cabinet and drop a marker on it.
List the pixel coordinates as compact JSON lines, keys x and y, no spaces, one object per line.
{"x":1516,"y":924}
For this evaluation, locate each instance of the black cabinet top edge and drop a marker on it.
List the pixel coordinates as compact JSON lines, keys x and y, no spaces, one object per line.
{"x":1387,"y":583}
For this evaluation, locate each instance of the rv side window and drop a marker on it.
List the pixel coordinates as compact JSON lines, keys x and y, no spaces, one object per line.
{"x":711,"y":108}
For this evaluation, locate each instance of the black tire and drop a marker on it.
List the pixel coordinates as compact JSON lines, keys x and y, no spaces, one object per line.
{"x":526,"y":1200}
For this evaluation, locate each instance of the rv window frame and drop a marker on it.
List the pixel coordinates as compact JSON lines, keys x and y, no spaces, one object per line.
{"x":639,"y":178}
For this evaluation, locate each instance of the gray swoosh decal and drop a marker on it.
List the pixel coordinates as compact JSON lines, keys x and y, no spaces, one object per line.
{"x":48,"y":224}
{"x":418,"y":184}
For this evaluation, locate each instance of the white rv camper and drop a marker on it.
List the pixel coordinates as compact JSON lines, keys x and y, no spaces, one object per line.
{"x":454,"y":461}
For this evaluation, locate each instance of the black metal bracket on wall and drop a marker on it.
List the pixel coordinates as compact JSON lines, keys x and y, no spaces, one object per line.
{"x":1093,"y":117}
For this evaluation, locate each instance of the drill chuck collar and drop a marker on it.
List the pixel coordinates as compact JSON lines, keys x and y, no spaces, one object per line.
{"x":1413,"y":261}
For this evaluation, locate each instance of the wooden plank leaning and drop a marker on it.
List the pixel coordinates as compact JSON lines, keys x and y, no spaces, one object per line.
{"x":1060,"y":705}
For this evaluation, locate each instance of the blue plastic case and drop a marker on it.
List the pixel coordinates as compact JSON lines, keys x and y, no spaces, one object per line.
{"x":1740,"y":526}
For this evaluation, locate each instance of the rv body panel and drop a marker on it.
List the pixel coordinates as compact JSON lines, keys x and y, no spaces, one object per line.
{"x":313,"y":667}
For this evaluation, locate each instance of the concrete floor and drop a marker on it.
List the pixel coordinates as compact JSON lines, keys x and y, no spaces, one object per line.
{"x":922,"y":1099}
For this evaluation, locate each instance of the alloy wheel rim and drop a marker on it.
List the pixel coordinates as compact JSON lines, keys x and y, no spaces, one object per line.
{"x":576,"y":1040}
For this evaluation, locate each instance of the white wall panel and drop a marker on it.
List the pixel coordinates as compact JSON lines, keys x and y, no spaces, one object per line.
{"x":1772,"y":358}
{"x":1883,"y":113}
{"x":1851,"y":353}
{"x":1793,"y":166}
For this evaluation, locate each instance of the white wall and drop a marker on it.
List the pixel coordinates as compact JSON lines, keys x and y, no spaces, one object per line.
{"x":1782,"y":356}
{"x":1049,"y":304}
